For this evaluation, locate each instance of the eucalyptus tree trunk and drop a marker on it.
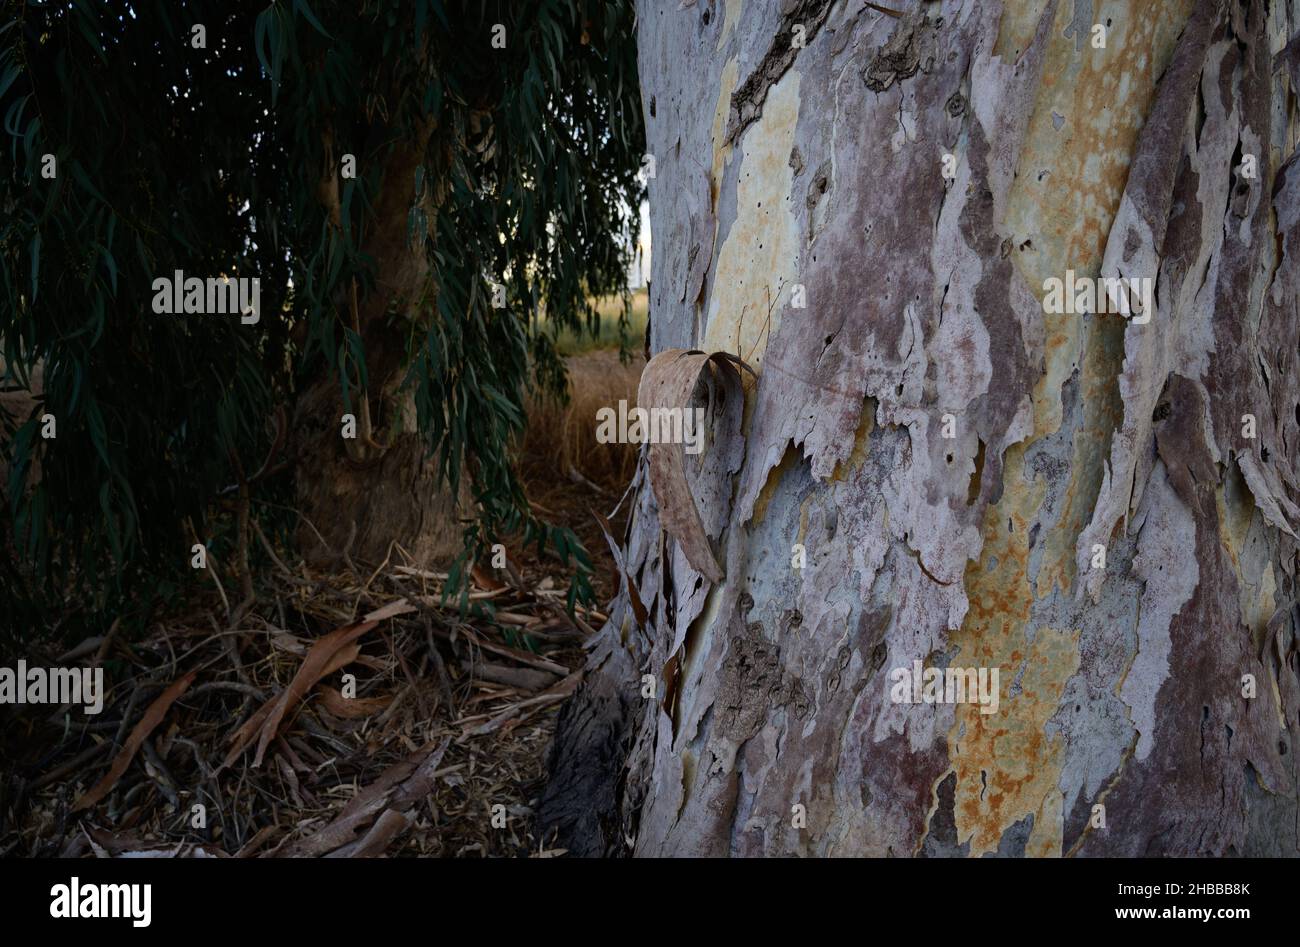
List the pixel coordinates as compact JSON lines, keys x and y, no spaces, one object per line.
{"x":376,"y":491}
{"x":935,"y":468}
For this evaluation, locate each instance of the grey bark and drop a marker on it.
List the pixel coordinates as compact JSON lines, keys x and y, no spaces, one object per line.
{"x":780,"y":167}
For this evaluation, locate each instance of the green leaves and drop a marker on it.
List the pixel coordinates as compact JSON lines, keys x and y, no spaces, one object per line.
{"x":34,"y":251}
{"x":301,"y":6}
{"x":141,"y":415}
{"x":212,"y":161}
{"x":272,"y":33}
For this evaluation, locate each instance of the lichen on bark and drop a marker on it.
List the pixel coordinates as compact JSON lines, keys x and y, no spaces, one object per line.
{"x":1121,"y":686}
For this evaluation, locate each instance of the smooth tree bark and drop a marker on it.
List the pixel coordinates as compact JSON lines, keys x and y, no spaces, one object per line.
{"x":865,"y":203}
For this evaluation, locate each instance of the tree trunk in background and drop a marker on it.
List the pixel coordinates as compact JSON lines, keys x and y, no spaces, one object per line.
{"x":358,"y":497}
{"x":1121,"y":687}
{"x":391,"y":496}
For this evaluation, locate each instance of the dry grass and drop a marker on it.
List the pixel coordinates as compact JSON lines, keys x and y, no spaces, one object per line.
{"x":607,"y":337}
{"x":567,"y":474}
{"x":561,"y":440}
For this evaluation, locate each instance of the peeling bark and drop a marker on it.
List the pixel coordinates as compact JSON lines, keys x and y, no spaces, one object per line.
{"x":1120,"y":686}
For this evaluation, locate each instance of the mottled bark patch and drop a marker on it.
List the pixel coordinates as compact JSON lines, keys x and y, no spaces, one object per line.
{"x":1121,"y":680}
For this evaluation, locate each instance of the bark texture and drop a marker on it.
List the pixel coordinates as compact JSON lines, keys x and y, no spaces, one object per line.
{"x":360,"y":496}
{"x":820,"y":166}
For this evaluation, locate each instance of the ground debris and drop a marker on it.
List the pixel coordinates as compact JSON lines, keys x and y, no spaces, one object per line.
{"x":420,"y":732}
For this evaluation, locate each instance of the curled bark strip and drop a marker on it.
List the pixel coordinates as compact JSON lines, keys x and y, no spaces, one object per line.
{"x":668,"y":382}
